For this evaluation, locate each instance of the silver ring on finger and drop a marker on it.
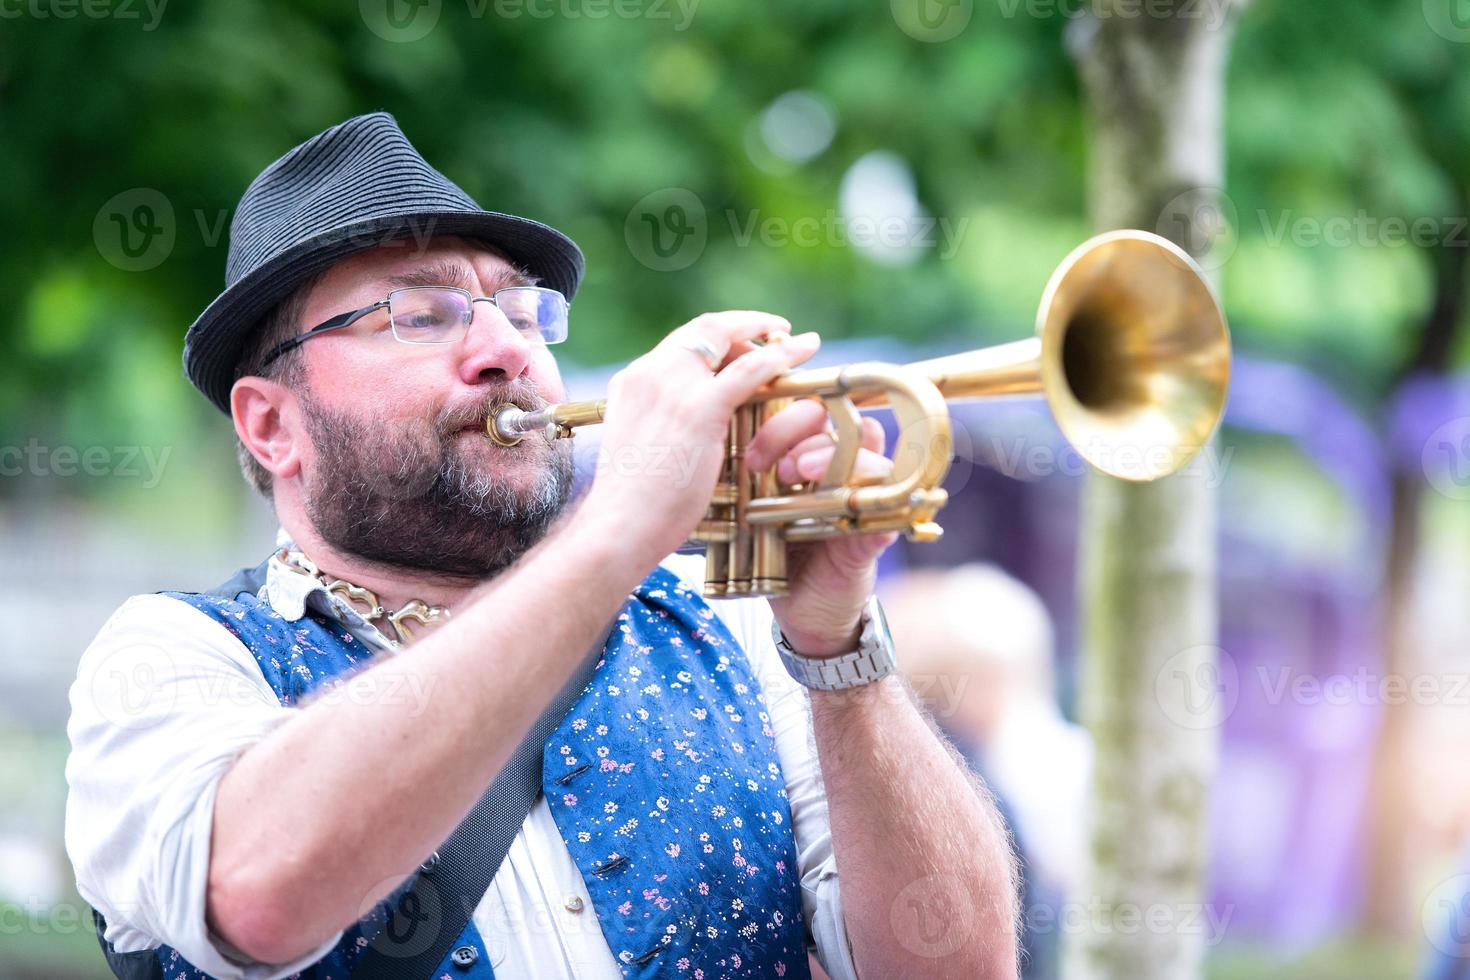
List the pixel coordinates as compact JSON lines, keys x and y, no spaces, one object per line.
{"x":708,"y":354}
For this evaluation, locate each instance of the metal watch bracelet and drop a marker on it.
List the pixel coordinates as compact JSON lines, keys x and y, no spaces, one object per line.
{"x":872,"y":661}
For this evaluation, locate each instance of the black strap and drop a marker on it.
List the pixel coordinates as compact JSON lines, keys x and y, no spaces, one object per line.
{"x":432,"y":912}
{"x":140,"y":965}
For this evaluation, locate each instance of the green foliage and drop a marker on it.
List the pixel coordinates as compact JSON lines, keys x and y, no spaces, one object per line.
{"x":1333,"y":109}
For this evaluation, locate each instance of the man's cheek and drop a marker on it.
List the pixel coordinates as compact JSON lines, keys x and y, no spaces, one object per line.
{"x":547,"y":376}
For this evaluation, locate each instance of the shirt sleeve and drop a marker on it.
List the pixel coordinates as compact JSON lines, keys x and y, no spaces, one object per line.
{"x":164,"y":701}
{"x":789,"y":705}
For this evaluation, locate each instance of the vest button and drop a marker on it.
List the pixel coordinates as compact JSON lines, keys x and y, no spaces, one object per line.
{"x":464,"y":957}
{"x":574,"y":903}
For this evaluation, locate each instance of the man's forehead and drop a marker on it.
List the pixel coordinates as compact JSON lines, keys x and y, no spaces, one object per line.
{"x":446,"y":260}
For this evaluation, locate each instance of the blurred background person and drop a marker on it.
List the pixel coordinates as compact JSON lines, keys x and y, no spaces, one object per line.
{"x":977,"y":645}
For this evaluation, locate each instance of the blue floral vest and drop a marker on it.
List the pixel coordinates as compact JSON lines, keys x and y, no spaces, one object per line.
{"x":663,"y":779}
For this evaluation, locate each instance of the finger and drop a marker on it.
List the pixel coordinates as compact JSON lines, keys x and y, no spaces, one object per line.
{"x":744,"y":376}
{"x":786,"y":431}
{"x":859,"y":549}
{"x":874,"y":438}
{"x":725,"y":330}
{"x":823,"y":440}
{"x":813,"y":465}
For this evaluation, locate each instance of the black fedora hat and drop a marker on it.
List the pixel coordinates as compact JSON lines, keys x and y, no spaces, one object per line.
{"x":358,"y":185}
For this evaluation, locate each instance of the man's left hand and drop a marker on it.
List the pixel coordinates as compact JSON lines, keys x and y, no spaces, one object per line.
{"x":830,"y":580}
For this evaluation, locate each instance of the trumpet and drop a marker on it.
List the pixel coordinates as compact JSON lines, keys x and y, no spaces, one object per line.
{"x":1131,"y":352}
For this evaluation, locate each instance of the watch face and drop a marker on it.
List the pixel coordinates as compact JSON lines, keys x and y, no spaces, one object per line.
{"x":880,"y":620}
{"x":877,"y":634}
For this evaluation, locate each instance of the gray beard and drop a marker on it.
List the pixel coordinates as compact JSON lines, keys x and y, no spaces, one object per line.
{"x":401,"y":493}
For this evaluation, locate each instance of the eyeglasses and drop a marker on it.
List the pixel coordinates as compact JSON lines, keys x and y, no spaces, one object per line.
{"x":442,"y":315}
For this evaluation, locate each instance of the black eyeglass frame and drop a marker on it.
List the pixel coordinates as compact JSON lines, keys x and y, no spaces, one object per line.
{"x":348,"y":319}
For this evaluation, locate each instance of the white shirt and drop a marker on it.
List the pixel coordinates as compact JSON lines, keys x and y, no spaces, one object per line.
{"x":166,"y":698}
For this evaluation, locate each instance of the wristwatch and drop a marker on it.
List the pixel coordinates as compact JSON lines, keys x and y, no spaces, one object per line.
{"x":873,"y":659}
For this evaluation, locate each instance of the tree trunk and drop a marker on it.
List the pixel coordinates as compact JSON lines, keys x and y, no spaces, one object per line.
{"x":1153,"y":76}
{"x":1392,"y":862}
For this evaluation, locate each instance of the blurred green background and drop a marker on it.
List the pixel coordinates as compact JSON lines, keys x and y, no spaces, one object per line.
{"x":1346,"y":124}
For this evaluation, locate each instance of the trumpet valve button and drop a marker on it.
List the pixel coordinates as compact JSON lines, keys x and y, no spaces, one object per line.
{"x":925,"y":532}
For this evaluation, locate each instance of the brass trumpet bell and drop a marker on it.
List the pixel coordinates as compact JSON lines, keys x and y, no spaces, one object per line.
{"x":1131,"y":351}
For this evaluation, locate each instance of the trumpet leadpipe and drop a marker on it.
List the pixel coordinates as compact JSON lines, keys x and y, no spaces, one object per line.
{"x":508,"y":424}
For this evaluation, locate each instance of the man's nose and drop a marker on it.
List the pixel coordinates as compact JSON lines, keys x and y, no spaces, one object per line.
{"x":492,"y":347}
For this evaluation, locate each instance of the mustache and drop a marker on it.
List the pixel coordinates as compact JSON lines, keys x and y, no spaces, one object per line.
{"x":522,"y":393}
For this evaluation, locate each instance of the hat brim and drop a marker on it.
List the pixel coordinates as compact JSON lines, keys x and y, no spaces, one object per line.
{"x":214,"y":343}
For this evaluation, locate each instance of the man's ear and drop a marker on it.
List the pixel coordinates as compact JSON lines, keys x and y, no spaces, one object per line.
{"x":268,"y":424}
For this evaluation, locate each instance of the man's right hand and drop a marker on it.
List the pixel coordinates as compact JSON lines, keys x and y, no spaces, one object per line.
{"x":667,"y":417}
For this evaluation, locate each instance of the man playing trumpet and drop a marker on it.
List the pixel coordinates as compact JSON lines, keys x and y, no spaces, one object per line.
{"x":283,"y":754}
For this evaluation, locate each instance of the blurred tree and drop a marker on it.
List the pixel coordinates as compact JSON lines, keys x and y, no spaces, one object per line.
{"x":1431,"y":96}
{"x":1155,"y":88}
